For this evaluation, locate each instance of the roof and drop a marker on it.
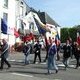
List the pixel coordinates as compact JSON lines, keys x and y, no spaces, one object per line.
{"x":49,"y":20}
{"x":45,"y":18}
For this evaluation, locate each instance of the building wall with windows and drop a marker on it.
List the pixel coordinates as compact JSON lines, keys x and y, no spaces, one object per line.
{"x":12,"y":11}
{"x":1,"y":4}
{"x":20,"y":12}
{"x":8,"y":14}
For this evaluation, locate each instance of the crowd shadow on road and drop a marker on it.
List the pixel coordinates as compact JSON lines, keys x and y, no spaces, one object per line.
{"x":38,"y":68}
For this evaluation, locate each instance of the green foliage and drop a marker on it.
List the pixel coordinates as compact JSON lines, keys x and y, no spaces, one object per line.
{"x":64,"y":34}
{"x":69,"y":32}
{"x":73,"y":33}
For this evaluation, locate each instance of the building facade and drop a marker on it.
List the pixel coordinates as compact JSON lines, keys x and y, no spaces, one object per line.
{"x":12,"y":11}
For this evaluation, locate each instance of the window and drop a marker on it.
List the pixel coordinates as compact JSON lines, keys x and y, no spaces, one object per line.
{"x":31,"y":26}
{"x":5,"y":16}
{"x":21,"y":10}
{"x":21,"y":3}
{"x":6,"y":3}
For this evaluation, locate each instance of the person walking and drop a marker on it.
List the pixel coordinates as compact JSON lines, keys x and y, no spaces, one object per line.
{"x":77,"y":54}
{"x":26,"y":51}
{"x":58,"y":55}
{"x":67,"y":53}
{"x":47,"y":49}
{"x":4,"y":54}
{"x":37,"y":51}
{"x":52,"y":58}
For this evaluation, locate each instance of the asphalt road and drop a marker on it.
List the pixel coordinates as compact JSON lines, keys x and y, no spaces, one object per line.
{"x":37,"y":71}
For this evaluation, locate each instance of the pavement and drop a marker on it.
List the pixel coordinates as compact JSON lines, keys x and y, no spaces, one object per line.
{"x":19,"y":57}
{"x":37,"y":71}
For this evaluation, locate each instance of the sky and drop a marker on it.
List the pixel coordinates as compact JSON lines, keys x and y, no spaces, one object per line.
{"x":65,"y":12}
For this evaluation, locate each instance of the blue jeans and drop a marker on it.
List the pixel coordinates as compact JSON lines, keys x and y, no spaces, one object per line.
{"x":52,"y":63}
{"x":66,"y":62}
{"x":26,"y":58}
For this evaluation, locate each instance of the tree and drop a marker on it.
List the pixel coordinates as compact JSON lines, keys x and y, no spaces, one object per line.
{"x":73,"y":33}
{"x":69,"y":32}
{"x":64,"y":34}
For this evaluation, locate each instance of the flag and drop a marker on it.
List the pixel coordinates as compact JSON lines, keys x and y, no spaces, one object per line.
{"x":25,"y":38}
{"x":32,"y":36}
{"x":32,"y":20}
{"x":16,"y":33}
{"x":5,"y":29}
{"x":3,"y":26}
{"x":42,"y":26}
{"x":40,"y":29}
{"x":28,"y":20}
{"x":78,"y":38}
{"x":57,"y":39}
{"x":57,"y":36}
{"x":52,"y":28}
{"x":29,"y":23}
{"x":28,"y":37}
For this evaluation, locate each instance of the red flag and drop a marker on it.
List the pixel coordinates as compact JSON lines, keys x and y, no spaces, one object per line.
{"x":32,"y":36}
{"x":25,"y":38}
{"x":78,"y":38}
{"x":16,"y":33}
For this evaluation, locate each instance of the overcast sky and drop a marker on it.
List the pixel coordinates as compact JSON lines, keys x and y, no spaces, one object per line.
{"x":65,"y":12}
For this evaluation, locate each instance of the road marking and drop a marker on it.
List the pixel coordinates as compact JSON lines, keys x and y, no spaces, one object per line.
{"x":62,"y":65}
{"x":44,"y":63}
{"x":57,"y":79}
{"x":13,"y":60}
{"x":18,"y":74}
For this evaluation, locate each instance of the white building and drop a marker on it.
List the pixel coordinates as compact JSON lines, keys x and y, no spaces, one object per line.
{"x":12,"y":11}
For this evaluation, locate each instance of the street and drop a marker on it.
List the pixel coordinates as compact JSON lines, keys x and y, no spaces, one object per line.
{"x":37,"y":71}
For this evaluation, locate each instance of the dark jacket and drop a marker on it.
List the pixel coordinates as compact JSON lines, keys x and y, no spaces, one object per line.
{"x":37,"y":48}
{"x":76,"y":52}
{"x":52,"y":50}
{"x":67,"y":51}
{"x":26,"y":49}
{"x":5,"y":50}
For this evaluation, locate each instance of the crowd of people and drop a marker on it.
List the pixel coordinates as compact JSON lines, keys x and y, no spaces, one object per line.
{"x":51,"y":54}
{"x":70,"y":50}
